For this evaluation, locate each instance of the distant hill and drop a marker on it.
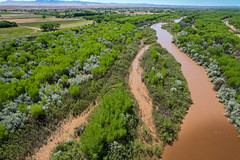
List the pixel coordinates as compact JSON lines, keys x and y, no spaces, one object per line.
{"x":77,"y":3}
{"x":41,"y":2}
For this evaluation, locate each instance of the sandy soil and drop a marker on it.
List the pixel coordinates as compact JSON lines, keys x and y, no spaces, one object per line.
{"x":35,"y":28}
{"x":140,"y":92}
{"x":232,"y":27}
{"x":61,"y":134}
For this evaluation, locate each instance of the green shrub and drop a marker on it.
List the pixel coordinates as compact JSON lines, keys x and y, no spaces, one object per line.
{"x":6,"y":24}
{"x":74,"y":90}
{"x":107,"y":125}
{"x":157,"y":151}
{"x":66,"y":151}
{"x":22,"y":108}
{"x":3,"y":132}
{"x":36,"y":110}
{"x":149,"y":150}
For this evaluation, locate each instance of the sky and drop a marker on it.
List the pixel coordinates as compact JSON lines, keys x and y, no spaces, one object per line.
{"x":166,"y":2}
{"x":178,"y":2}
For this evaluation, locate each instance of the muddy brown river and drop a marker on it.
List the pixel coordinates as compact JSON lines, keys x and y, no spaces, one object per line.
{"x":205,"y":133}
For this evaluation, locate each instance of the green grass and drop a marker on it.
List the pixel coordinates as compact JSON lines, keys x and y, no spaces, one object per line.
{"x":26,"y":17}
{"x":15,"y":32}
{"x":64,"y":24}
{"x":12,"y":13}
{"x":34,"y":24}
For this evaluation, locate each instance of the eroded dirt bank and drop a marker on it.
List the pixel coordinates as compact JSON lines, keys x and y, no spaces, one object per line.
{"x":205,"y":133}
{"x":61,"y":134}
{"x":140,"y":91}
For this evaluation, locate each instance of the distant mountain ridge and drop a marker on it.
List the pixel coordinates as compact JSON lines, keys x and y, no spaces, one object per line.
{"x":85,"y":3}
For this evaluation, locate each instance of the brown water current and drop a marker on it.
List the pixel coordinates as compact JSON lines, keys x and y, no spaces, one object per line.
{"x":205,"y":133}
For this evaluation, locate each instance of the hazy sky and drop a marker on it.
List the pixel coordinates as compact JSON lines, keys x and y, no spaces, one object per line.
{"x":168,"y":2}
{"x":178,"y":2}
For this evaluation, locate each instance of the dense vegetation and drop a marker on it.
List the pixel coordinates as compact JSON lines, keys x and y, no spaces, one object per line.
{"x":68,"y":14}
{"x":111,"y":132}
{"x":138,"y":20}
{"x":6,"y":24}
{"x":206,"y":39}
{"x":168,"y":89}
{"x":235,"y":21}
{"x":35,"y":73}
{"x":47,"y":77}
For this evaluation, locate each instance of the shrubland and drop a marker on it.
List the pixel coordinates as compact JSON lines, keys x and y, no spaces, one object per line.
{"x":45,"y":78}
{"x":235,"y":21}
{"x":35,"y":79}
{"x":168,"y":89}
{"x":112,"y":129}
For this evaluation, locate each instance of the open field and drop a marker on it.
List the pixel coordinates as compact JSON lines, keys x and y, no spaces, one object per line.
{"x":64,"y":24}
{"x":26,"y":21}
{"x":31,"y":18}
{"x":10,"y":13}
{"x":15,"y":32}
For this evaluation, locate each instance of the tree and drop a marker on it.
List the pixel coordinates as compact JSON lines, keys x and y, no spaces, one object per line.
{"x":49,"y":26}
{"x":6,"y":24}
{"x":44,"y":16}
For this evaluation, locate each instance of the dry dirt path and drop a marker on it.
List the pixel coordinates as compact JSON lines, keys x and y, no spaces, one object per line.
{"x":140,"y":92}
{"x":35,"y":28}
{"x":65,"y":131}
{"x":232,"y":27}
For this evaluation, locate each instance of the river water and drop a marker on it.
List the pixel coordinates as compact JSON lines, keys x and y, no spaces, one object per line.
{"x":205,"y":133}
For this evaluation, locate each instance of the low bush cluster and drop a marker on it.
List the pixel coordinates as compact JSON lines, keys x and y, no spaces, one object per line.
{"x":168,"y":89}
{"x":6,"y":24}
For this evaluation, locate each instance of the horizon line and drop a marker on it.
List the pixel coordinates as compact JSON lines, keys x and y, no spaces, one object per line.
{"x":79,"y":1}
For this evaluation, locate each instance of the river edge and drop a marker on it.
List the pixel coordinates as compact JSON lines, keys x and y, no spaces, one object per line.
{"x":207,"y":137}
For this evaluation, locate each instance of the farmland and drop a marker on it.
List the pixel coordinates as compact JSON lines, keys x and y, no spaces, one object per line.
{"x":29,"y":24}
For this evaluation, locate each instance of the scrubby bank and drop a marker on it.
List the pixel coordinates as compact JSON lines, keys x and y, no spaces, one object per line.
{"x":235,"y":21}
{"x":168,"y":89}
{"x":208,"y":41}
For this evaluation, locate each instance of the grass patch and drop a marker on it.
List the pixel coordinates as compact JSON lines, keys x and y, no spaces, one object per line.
{"x":12,"y":13}
{"x":82,"y":22}
{"x":64,"y":24}
{"x":15,"y":32}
